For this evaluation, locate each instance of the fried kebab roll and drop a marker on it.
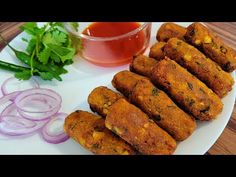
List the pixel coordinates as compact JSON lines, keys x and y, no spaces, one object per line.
{"x":198,"y":64}
{"x":169,"y":30}
{"x":134,"y":126}
{"x":157,"y":105}
{"x":211,"y":45}
{"x":194,"y":96}
{"x":142,"y":65}
{"x":101,"y":98}
{"x":89,"y":130}
{"x":127,"y":82}
{"x":157,"y":51}
{"x":200,"y":101}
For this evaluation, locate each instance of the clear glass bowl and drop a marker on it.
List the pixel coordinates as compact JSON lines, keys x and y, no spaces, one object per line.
{"x":112,"y":51}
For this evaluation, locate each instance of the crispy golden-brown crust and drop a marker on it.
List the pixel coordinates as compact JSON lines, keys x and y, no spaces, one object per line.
{"x":207,"y":41}
{"x":187,"y":90}
{"x":125,"y":81}
{"x":101,"y":98}
{"x":204,"y":68}
{"x":132,"y":125}
{"x":156,"y":51}
{"x":143,"y":65}
{"x":170,"y":30}
{"x":162,"y":110}
{"x":89,"y":130}
{"x":156,"y":104}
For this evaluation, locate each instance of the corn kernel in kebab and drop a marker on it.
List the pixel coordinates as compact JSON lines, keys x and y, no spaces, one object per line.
{"x":212,"y":46}
{"x":134,"y":126}
{"x":89,"y":130}
{"x":157,"y":105}
{"x":169,"y":30}
{"x":199,"y":65}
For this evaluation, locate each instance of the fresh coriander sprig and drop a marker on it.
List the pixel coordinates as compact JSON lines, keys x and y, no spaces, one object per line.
{"x":48,"y":50}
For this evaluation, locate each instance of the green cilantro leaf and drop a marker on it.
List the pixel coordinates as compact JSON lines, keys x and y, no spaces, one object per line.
{"x":68,"y":62}
{"x":65,"y":53}
{"x":59,"y":70}
{"x":56,"y":24}
{"x":55,"y":57}
{"x":55,"y":37}
{"x":46,"y":75}
{"x":47,"y":38}
{"x":32,"y":29}
{"x":31,"y":46}
{"x":59,"y":36}
{"x":44,"y":55}
{"x":56,"y":76}
{"x":29,"y":28}
{"x":24,"y":75}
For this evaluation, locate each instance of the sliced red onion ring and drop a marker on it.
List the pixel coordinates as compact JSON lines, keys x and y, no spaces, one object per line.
{"x":15,"y":122}
{"x":38,"y":104}
{"x":9,"y":97}
{"x":4,"y":137}
{"x":39,"y":116}
{"x":55,"y":136}
{"x":18,"y":126}
{"x":6,"y":100}
{"x":9,"y":110}
{"x":5,"y":91}
{"x":31,"y":110}
{"x":44,"y":96}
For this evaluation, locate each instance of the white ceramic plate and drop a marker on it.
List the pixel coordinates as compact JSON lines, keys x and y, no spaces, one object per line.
{"x":82,"y":78}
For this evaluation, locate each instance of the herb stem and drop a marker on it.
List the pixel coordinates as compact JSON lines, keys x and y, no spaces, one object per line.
{"x":31,"y":63}
{"x":37,"y":46}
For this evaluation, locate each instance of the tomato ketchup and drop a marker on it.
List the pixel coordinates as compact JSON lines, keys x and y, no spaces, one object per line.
{"x":115,"y":43}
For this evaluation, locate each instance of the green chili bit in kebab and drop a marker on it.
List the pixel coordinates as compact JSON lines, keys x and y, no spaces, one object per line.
{"x":155,"y":92}
{"x":190,"y":86}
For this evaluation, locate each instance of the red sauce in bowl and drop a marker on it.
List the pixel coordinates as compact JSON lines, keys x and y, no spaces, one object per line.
{"x":116,"y":51}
